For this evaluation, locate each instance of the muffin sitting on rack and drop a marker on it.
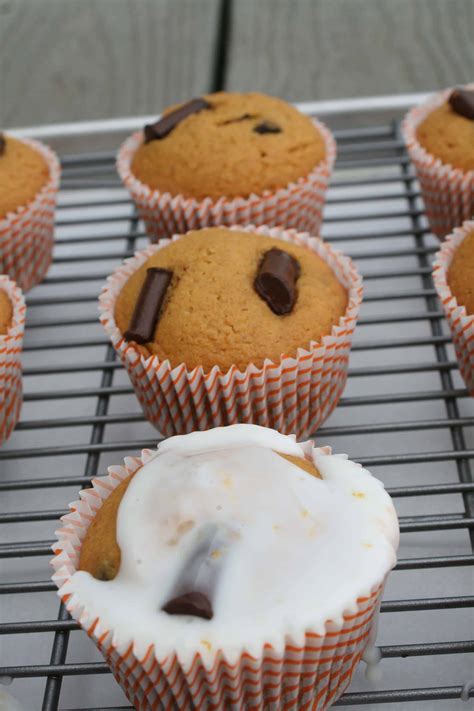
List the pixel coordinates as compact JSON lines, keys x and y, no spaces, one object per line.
{"x":440,"y":141}
{"x":230,"y":325}
{"x":228,"y":158}
{"x":453,"y":275}
{"x":232,"y":587}
{"x":29,"y":181}
{"x":12,"y":323}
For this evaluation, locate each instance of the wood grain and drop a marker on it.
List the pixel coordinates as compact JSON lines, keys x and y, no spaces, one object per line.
{"x":67,"y":60}
{"x":321,"y":49}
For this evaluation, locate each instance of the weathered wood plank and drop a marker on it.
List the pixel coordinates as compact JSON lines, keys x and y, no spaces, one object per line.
{"x":322,"y":49}
{"x":67,"y":60}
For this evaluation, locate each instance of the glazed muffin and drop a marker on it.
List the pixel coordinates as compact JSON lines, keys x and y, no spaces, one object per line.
{"x":223,"y":575}
{"x":212,"y":313}
{"x":228,"y":158}
{"x":29,"y":181}
{"x":12,"y":321}
{"x":235,"y":145}
{"x":235,"y":325}
{"x":440,"y":141}
{"x":453,"y":276}
{"x":23,"y":173}
{"x":461,"y":273}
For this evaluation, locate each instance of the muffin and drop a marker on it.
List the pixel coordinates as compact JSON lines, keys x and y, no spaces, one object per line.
{"x":187,"y":531}
{"x":228,"y":158}
{"x":440,"y":141}
{"x":453,"y":275}
{"x":12,"y":320}
{"x":253,"y":325}
{"x":29,"y":181}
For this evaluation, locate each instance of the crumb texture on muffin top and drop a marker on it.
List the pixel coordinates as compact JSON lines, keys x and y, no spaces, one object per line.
{"x":449,"y":137}
{"x":461,"y":274}
{"x":216,"y":152}
{"x":23,"y":172}
{"x":212,"y":314}
{"x":6,"y":312}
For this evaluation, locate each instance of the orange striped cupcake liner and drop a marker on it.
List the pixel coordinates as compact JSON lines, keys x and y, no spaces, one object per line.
{"x":27,"y":234}
{"x":10,"y":363}
{"x":460,"y":322}
{"x":448,"y":192}
{"x":299,"y":205}
{"x":294,"y":395}
{"x":311,"y":672}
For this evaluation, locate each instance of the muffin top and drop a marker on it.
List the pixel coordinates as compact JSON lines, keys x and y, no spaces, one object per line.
{"x":449,"y":135}
{"x":6,"y":312}
{"x":23,"y":172}
{"x":212,"y":313}
{"x":226,"y":544}
{"x":461,"y":274}
{"x":242,"y":144}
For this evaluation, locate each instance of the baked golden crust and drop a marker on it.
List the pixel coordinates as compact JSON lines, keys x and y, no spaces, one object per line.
{"x":216,"y":152}
{"x":6,"y":312}
{"x":23,"y":172}
{"x":100,"y":553}
{"x":461,"y":274}
{"x":213,"y":316}
{"x":449,"y":137}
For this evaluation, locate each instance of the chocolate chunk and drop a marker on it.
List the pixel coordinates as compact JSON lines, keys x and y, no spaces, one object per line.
{"x":276,"y":280}
{"x":160,"y":129}
{"x":267,"y":127}
{"x":2,"y":144}
{"x":462,"y":102}
{"x":199,"y":577}
{"x":244,"y":117}
{"x":147,"y":309}
{"x":193,"y":603}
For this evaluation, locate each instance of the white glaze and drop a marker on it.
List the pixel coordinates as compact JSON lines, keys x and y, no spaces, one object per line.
{"x":372,"y":655}
{"x":8,"y":702}
{"x":306,"y":548}
{"x":466,"y":690}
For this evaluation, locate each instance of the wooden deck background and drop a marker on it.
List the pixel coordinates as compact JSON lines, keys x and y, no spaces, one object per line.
{"x":69,"y":60}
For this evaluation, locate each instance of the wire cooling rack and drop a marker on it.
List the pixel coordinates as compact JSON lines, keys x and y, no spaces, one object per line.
{"x":405,"y":414}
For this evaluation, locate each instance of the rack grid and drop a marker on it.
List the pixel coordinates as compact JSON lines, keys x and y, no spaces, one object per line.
{"x":405,"y":414}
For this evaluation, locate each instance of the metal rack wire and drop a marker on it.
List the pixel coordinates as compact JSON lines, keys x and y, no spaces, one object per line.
{"x":405,"y":414}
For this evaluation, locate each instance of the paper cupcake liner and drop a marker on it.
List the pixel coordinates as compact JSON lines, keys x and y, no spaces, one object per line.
{"x":10,"y":364}
{"x":27,"y":235}
{"x":299,"y":205}
{"x":460,"y":323}
{"x":309,"y":673}
{"x":448,"y":192}
{"x":294,"y":395}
